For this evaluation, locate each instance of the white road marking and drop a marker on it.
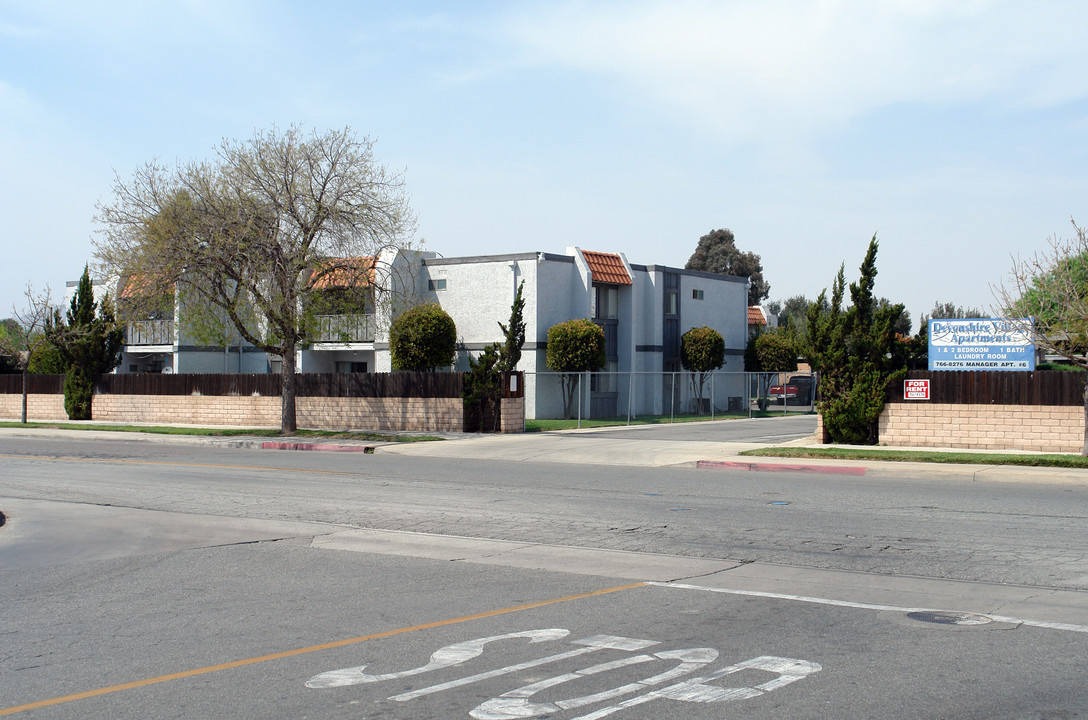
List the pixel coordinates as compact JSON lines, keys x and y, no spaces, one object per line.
{"x":443,"y":657}
{"x":515,"y":704}
{"x":591,"y":644}
{"x":696,"y":690}
{"x":872,"y":606}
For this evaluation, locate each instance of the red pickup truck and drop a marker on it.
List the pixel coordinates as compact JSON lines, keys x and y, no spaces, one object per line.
{"x":797,"y":390}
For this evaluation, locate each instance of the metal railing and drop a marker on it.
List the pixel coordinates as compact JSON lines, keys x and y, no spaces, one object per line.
{"x":344,"y":328}
{"x":150,"y":332}
{"x":631,"y":396}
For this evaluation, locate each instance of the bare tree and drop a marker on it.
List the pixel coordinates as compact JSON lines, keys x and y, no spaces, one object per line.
{"x":252,"y":239}
{"x":1046,"y":297}
{"x":33,"y":318}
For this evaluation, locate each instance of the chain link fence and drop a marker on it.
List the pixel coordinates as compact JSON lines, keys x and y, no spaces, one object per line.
{"x":634,"y":396}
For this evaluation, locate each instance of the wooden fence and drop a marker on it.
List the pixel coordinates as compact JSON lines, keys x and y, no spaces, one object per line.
{"x":36,"y":384}
{"x":400,"y":384}
{"x":997,"y":388}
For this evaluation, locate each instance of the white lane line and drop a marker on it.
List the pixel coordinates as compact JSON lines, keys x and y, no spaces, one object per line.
{"x":871,"y":606}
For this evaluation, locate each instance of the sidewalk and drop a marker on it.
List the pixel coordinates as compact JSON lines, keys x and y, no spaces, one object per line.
{"x":595,"y":446}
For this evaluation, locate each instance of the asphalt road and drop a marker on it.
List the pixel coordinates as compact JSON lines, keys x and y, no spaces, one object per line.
{"x":141,"y":580}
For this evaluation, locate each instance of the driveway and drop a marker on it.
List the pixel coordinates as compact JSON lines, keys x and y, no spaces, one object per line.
{"x":642,"y":445}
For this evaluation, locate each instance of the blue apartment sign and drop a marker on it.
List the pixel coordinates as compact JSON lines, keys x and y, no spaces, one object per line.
{"x":981,"y":344}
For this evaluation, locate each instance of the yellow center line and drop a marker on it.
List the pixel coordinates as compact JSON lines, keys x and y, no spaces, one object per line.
{"x":310,"y":649}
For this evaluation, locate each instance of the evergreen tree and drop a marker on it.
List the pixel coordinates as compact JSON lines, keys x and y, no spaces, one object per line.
{"x":514,"y":333}
{"x":856,"y":353}
{"x":89,"y":344}
{"x":717,"y":252}
{"x":483,"y":381}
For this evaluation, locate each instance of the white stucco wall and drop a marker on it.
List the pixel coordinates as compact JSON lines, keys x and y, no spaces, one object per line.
{"x":724,"y":307}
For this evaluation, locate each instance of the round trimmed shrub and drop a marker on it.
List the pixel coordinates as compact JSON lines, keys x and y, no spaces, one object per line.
{"x":422,"y":338}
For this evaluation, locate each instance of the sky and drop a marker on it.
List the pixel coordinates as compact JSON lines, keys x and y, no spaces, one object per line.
{"x":955,"y":131}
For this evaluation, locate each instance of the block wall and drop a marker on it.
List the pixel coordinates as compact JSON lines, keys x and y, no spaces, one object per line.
{"x":38,"y":407}
{"x":187,"y":409}
{"x":1046,"y":428}
{"x":512,"y":418}
{"x":391,"y":414}
{"x":415,"y":414}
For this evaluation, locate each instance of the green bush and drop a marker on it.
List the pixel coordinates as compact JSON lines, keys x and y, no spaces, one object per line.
{"x":88,"y":343}
{"x":78,"y":393}
{"x":574,"y":346}
{"x":702,"y":351}
{"x":776,"y":351}
{"x":857,"y":355}
{"x":422,"y":338}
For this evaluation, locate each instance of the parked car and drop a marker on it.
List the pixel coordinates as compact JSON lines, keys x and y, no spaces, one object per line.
{"x":797,"y":390}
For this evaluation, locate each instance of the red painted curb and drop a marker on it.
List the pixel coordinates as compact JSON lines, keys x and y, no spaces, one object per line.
{"x":780,"y":467}
{"x":324,"y":447}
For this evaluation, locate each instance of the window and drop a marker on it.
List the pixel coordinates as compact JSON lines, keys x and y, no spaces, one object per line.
{"x":672,"y":303}
{"x":605,"y":302}
{"x":696,"y":294}
{"x":439,"y":284}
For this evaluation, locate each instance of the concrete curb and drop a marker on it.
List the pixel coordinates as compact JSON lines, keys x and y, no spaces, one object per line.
{"x":322,"y":447}
{"x":779,"y":467}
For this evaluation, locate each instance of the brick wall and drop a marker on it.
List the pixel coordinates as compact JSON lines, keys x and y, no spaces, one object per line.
{"x":419,"y":414}
{"x":38,"y":407}
{"x":512,"y":418}
{"x":390,"y":414}
{"x":188,"y":409}
{"x":1048,"y":428}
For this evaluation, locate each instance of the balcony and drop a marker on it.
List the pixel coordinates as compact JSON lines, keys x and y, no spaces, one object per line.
{"x":150,"y":332}
{"x":344,"y":328}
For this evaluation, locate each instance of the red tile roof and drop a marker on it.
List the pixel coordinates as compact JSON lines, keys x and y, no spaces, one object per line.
{"x":755,"y":315}
{"x":607,"y":268}
{"x":345,"y":272}
{"x":142,"y":284}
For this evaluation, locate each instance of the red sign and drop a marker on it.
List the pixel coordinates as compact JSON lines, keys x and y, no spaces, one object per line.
{"x":916,"y":389}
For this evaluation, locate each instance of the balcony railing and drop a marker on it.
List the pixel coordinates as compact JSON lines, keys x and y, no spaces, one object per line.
{"x":344,"y":328}
{"x":150,"y":332}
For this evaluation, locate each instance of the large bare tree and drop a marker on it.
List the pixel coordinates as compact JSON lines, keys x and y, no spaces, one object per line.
{"x":250,"y":238}
{"x":33,"y":319}
{"x":1046,"y":295}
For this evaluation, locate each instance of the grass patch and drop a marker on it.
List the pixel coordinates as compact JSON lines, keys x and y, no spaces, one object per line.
{"x":548,"y":425}
{"x":1061,"y":367}
{"x":1061,"y":461}
{"x":224,"y":432}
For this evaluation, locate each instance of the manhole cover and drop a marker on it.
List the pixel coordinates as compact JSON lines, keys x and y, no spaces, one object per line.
{"x":949,"y":618}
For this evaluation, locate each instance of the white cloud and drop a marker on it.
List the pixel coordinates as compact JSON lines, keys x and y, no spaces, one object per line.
{"x":773,"y":69}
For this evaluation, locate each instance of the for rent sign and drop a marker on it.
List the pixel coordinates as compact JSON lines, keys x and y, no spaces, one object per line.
{"x":916,"y":389}
{"x":980,"y":344}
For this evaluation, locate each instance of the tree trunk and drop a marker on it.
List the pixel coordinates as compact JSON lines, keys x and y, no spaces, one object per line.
{"x":26,"y":383}
{"x":288,"y":423}
{"x":1084,"y":445}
